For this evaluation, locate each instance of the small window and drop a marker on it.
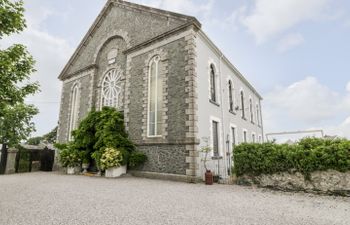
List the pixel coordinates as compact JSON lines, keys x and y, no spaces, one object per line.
{"x":112,"y":56}
{"x":215,"y":138}
{"x":233,"y":133}
{"x":251,"y":111}
{"x":242,"y":105}
{"x":230,"y":95}
{"x":245,"y":136}
{"x":212,"y":83}
{"x":253,"y":138}
{"x":257,"y":114}
{"x":260,"y":139}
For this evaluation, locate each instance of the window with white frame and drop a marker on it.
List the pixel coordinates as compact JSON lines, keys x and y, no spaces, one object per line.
{"x":230,"y":95}
{"x":212,"y":83}
{"x":233,"y":134}
{"x":258,"y":114}
{"x":111,"y":88}
{"x":215,"y":135}
{"x":74,"y":110}
{"x":244,"y":136}
{"x":253,"y":138}
{"x":242,"y":104}
{"x":155,"y":99}
{"x":251,"y":110}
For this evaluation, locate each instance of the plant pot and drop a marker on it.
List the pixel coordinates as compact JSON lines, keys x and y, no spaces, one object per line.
{"x":85,"y":166}
{"x":115,"y":171}
{"x":70,"y":170}
{"x":208,"y":177}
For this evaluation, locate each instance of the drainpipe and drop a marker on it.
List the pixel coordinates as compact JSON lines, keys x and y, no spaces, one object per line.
{"x":223,"y":120}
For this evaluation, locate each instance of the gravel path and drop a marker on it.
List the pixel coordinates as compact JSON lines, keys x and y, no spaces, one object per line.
{"x":52,"y":198}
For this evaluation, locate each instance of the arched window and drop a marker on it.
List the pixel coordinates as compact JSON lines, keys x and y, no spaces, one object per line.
{"x":74,"y":110}
{"x":230,"y":95}
{"x":212,"y":83}
{"x":242,"y":105}
{"x":155,"y":98}
{"x":251,"y":110}
{"x":111,"y":88}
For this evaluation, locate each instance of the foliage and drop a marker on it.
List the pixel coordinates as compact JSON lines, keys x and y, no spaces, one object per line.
{"x":103,"y":129}
{"x":206,"y":149}
{"x":306,"y":156}
{"x":70,"y":156}
{"x":48,"y":138}
{"x":111,"y":157}
{"x":137,"y":158}
{"x":16,"y":124}
{"x":11,"y":17}
{"x":16,"y":65}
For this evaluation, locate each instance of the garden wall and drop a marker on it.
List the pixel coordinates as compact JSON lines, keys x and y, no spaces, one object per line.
{"x":320,"y":182}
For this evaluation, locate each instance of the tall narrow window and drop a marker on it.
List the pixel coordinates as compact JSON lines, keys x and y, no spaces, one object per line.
{"x":215,"y":138}
{"x":111,"y":88}
{"x":230,"y":95}
{"x":253,"y":138}
{"x":242,"y":105}
{"x":245,"y":136}
{"x":251,"y":110}
{"x":74,"y":111}
{"x":212,"y":83}
{"x":155,"y":98}
{"x":233,"y":131}
{"x":257,"y":114}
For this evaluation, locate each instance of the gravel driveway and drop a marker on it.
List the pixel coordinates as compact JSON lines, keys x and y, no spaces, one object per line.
{"x":52,"y":198}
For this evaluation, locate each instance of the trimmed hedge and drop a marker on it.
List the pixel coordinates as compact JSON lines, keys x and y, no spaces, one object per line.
{"x":306,"y":156}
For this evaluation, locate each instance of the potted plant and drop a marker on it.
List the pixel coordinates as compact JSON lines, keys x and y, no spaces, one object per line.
{"x":85,"y":165}
{"x":71,"y":159}
{"x":111,"y":161}
{"x":208,"y":176}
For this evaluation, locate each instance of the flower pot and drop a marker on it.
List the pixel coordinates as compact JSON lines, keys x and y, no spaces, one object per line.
{"x":85,"y":166}
{"x":70,"y":170}
{"x":115,"y":171}
{"x":208,"y":177}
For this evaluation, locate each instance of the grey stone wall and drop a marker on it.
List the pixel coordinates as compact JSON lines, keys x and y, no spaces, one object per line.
{"x":164,"y":158}
{"x":84,"y":104}
{"x":324,"y":182}
{"x":139,"y":26}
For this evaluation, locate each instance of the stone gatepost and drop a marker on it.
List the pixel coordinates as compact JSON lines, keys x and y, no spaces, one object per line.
{"x":11,"y":161}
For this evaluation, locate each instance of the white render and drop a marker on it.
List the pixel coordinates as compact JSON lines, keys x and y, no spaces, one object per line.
{"x":207,"y":54}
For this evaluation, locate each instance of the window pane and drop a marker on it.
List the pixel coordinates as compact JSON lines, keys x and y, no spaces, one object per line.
{"x":215,"y":139}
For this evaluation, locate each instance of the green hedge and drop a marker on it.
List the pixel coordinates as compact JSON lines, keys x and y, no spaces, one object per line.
{"x":306,"y":156}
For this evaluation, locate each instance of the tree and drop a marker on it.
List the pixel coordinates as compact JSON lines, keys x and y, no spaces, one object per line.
{"x":49,"y":138}
{"x":16,"y":65}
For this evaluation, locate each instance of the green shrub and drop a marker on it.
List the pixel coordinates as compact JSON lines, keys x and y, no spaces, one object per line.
{"x":136,"y":159}
{"x":306,"y":156}
{"x":111,"y":157}
{"x":70,"y":156}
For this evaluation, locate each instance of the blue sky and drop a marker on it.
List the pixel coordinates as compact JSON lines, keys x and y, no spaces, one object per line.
{"x":295,"y":52}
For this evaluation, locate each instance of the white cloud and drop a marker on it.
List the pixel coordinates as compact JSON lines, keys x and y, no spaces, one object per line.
{"x":306,"y":104}
{"x":290,"y":41}
{"x":348,"y":87}
{"x":270,"y":17}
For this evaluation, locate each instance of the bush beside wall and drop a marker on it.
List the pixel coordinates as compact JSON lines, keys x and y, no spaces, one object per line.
{"x":306,"y":156}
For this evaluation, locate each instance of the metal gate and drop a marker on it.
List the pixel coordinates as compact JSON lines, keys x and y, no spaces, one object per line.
{"x":28,"y":160}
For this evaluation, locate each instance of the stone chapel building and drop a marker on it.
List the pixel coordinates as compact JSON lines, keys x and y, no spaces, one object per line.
{"x":176,"y":89}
